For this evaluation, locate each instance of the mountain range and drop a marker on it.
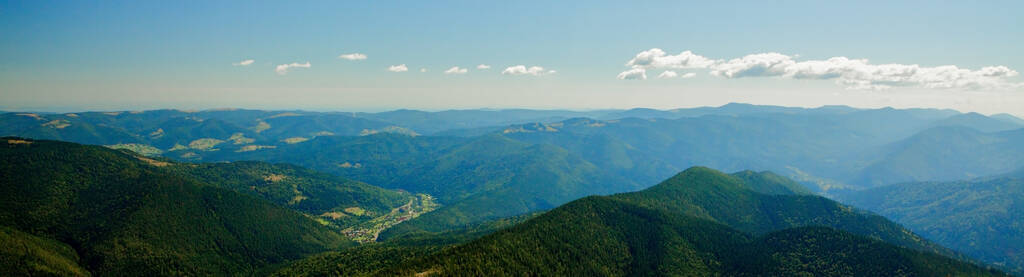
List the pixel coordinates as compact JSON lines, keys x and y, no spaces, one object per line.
{"x":690,"y":224}
{"x":423,"y":174}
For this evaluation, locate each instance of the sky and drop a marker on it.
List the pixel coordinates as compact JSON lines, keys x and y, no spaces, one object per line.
{"x":434,"y":55}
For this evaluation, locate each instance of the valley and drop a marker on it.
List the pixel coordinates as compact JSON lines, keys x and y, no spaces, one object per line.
{"x":368,"y":232}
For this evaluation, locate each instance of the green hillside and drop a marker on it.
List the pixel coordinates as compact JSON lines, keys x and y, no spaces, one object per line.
{"x":982,"y":218}
{"x":710,"y":194}
{"x":475,"y":180}
{"x":700,"y":222}
{"x":27,"y":255}
{"x":375,"y":258}
{"x":494,"y":177}
{"x":339,"y":200}
{"x":126,"y":215}
{"x":604,"y":236}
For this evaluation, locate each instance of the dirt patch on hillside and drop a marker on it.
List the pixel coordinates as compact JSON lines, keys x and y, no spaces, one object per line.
{"x":274,"y":178}
{"x":248,"y":148}
{"x":18,"y":141}
{"x":153,"y":162}
{"x":334,"y":215}
{"x":32,"y":115}
{"x":350,"y":165}
{"x":57,"y":124}
{"x":295,"y":140}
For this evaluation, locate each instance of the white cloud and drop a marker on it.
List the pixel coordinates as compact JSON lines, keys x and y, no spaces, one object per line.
{"x":283,"y":69}
{"x":423,"y":70}
{"x":523,"y":70}
{"x":764,"y":64}
{"x":633,"y":74}
{"x":656,"y":58}
{"x":849,"y":73}
{"x":668,"y":74}
{"x":456,"y":70}
{"x":398,"y":68}
{"x":353,"y":56}
{"x":244,"y":63}
{"x":483,"y":66}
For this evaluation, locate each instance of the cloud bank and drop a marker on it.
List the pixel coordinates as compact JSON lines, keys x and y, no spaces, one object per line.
{"x":353,"y":56}
{"x":849,"y":73}
{"x":398,"y":68}
{"x":523,"y":70}
{"x":283,"y":69}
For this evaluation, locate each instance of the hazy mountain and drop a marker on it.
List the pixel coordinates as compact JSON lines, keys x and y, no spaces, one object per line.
{"x":945,"y":154}
{"x":979,"y":122}
{"x":1008,"y":118}
{"x":433,"y":122}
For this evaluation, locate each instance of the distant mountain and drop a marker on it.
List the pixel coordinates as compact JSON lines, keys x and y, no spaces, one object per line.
{"x":830,"y":146}
{"x":434,"y":122}
{"x":979,"y":122}
{"x":690,"y":224}
{"x":475,"y":179}
{"x":168,"y":130}
{"x":983,"y":218}
{"x":1009,"y":118}
{"x":945,"y":154}
{"x":849,"y":148}
{"x":126,"y":214}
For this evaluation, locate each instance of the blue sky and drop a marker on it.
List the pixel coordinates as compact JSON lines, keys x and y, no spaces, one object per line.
{"x":180,"y":54}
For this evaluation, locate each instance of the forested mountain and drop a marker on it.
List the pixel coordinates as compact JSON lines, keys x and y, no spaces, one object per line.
{"x":824,"y":150}
{"x":493,"y":170}
{"x":475,"y":179}
{"x":983,"y":218}
{"x":699,"y":222}
{"x":336,"y":199}
{"x":119,"y":213}
{"x":481,"y":165}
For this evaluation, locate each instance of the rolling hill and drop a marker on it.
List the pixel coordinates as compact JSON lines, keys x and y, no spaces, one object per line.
{"x":122,"y":213}
{"x":599,"y":236}
{"x":341,"y":201}
{"x":700,"y":222}
{"x":983,"y":218}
